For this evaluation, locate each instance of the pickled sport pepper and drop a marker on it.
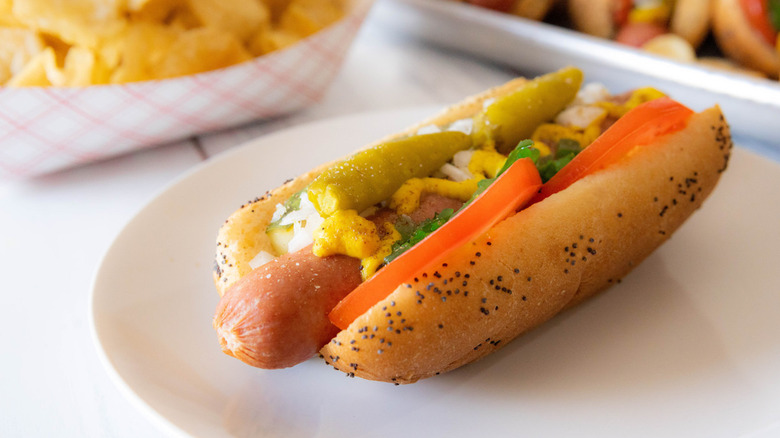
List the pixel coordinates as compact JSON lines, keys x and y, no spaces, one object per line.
{"x":373,"y":175}
{"x":514,"y":117}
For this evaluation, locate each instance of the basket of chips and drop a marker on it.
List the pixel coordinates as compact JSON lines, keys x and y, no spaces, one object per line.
{"x":83,"y":80}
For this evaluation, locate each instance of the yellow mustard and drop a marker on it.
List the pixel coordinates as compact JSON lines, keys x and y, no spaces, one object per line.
{"x":486,"y":163}
{"x":638,"y":97}
{"x":407,"y":199}
{"x":658,"y":13}
{"x":370,"y":264}
{"x":483,"y":164}
{"x":346,"y":232}
{"x":550,"y":134}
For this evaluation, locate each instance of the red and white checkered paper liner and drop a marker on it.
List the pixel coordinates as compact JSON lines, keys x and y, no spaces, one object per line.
{"x":43,"y":129}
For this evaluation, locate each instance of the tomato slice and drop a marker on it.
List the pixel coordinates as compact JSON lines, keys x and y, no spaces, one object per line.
{"x":509,"y":192}
{"x":637,"y":34}
{"x":639,"y":126}
{"x":757,"y":14}
{"x":621,"y":12}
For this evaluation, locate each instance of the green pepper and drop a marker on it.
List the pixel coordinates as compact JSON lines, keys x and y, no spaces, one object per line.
{"x":567,"y":146}
{"x":514,"y":117}
{"x":373,"y":175}
{"x":774,"y":13}
{"x":547,"y":166}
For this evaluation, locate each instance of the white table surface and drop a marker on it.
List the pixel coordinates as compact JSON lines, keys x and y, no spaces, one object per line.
{"x":55,"y":229}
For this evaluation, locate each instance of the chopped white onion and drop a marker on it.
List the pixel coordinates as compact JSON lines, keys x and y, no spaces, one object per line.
{"x":260,"y":259}
{"x":303,"y":235}
{"x":590,"y":94}
{"x":580,"y":115}
{"x":300,"y":238}
{"x":305,"y":210}
{"x":463,"y":125}
{"x":428,"y":129}
{"x":278,"y":212}
{"x":462,"y":159}
{"x":454,"y":173}
{"x":313,"y":222}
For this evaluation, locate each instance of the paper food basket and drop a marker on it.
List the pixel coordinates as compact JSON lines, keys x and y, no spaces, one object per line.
{"x":44,"y":129}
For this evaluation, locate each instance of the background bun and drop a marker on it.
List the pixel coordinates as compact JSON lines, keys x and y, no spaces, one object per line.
{"x":737,"y":39}
{"x":691,"y":20}
{"x":533,"y":9}
{"x":594,"y":17}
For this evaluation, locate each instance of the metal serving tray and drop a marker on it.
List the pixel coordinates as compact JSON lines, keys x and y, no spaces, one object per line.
{"x":752,"y":105}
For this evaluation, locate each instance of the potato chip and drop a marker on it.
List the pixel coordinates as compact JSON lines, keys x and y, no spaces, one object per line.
{"x":137,"y":5}
{"x":17,"y":47}
{"x":6,"y":14}
{"x":276,"y":7}
{"x":270,"y":40}
{"x":82,"y":68}
{"x":133,"y":54}
{"x":60,"y":47}
{"x":34,"y":73}
{"x":200,"y":50}
{"x":74,"y":43}
{"x":182,"y":18}
{"x":78,"y":22}
{"x":153,"y":10}
{"x":305,"y":17}
{"x":240,"y":17}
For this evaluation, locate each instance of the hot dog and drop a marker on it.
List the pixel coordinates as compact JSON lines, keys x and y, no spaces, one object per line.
{"x":637,"y":22}
{"x":747,"y":32}
{"x":515,"y":255}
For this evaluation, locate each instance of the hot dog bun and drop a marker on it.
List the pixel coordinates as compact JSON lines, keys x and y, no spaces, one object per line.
{"x":691,"y":20}
{"x":737,"y":39}
{"x":533,"y":9}
{"x":519,"y":274}
{"x":594,"y":17}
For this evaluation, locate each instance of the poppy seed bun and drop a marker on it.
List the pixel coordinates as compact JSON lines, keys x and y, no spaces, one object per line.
{"x":737,"y":39}
{"x":594,"y":17}
{"x":531,"y":266}
{"x":242,"y":236}
{"x":691,"y":20}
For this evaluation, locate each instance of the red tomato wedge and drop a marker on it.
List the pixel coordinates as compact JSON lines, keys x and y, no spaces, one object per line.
{"x":757,"y":14}
{"x":509,"y":192}
{"x":637,"y":34}
{"x":639,"y":126}
{"x":622,"y":8}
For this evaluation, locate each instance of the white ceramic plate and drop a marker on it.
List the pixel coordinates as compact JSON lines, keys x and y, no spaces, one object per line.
{"x":687,"y":345}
